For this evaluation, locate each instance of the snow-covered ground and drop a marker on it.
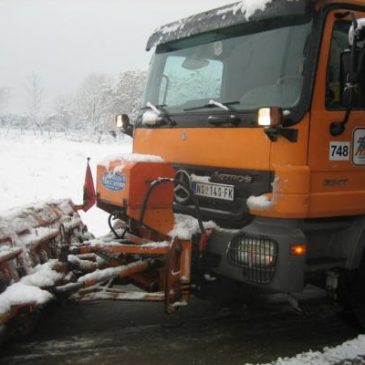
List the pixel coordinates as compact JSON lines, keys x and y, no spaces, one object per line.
{"x":350,"y":352}
{"x":37,"y":168}
{"x":34,"y":168}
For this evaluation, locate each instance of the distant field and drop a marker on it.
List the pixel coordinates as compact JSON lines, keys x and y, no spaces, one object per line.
{"x":37,"y":168}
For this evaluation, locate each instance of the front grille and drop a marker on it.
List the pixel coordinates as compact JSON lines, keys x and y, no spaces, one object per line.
{"x":256,"y":255}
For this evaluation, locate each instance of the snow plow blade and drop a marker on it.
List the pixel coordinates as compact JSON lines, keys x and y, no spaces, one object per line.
{"x":32,"y":239}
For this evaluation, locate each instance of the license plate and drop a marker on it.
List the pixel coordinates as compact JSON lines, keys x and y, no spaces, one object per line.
{"x":216,"y":191}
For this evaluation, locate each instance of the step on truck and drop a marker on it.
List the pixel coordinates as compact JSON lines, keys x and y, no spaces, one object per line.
{"x":248,"y":163}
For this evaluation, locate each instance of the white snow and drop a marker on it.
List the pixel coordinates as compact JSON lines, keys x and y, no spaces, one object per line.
{"x":263,"y":202}
{"x":150,"y":117}
{"x":330,"y":356}
{"x":247,"y":7}
{"x":126,"y":295}
{"x":173,"y":27}
{"x":20,"y":293}
{"x":107,"y":274}
{"x":43,"y":275}
{"x":186,"y":226}
{"x":259,"y":202}
{"x":202,"y":179}
{"x":27,"y":290}
{"x":38,"y":234}
{"x":38,"y":168}
{"x":156,"y":244}
{"x":129,"y":157}
{"x":7,"y":250}
{"x":84,"y":265}
{"x":153,"y":116}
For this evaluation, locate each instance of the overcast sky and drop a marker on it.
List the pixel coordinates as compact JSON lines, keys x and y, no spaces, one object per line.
{"x":65,"y":40}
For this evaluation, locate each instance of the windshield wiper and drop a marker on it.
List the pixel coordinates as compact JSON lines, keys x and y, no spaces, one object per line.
{"x":214,"y":104}
{"x":218,"y":120}
{"x":161,"y":113}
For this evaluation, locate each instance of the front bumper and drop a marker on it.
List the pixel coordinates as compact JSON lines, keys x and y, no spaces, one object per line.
{"x":260,"y":254}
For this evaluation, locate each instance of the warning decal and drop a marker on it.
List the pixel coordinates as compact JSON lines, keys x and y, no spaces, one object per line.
{"x":358,"y":156}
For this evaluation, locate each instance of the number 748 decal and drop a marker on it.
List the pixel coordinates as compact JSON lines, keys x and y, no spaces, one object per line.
{"x":339,"y":151}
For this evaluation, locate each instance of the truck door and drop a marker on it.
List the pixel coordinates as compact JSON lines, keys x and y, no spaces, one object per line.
{"x":337,"y":162}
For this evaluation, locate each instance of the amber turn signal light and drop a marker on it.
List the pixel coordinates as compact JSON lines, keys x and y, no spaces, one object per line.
{"x":298,"y":250}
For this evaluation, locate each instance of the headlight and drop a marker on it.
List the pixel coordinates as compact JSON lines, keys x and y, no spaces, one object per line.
{"x":251,"y":251}
{"x":255,"y":254}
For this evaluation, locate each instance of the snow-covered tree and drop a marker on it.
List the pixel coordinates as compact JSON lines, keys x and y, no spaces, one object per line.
{"x":129,"y":92}
{"x":63,"y":116}
{"x":94,"y":102}
{"x":34,"y":92}
{"x":4,"y":97}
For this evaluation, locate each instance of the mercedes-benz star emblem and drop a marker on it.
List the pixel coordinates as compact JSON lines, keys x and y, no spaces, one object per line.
{"x":182,"y":187}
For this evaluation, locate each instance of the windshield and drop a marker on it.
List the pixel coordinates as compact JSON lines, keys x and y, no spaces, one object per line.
{"x":248,"y":71}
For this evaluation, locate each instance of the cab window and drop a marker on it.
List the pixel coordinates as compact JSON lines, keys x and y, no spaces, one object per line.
{"x":339,"y":44}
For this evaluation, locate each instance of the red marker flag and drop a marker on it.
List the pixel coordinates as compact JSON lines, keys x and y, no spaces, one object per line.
{"x":89,"y":189}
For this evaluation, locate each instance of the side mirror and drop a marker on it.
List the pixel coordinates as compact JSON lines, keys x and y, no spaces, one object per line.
{"x":122,"y":122}
{"x":269,"y":117}
{"x":272,"y":120}
{"x":352,"y":79}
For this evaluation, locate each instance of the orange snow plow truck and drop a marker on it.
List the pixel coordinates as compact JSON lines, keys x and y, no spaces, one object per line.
{"x":248,"y":164}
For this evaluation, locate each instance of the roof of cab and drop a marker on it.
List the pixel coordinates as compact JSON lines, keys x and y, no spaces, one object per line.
{"x":227,"y":16}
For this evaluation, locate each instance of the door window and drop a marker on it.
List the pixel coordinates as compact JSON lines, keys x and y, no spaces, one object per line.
{"x":338,"y":45}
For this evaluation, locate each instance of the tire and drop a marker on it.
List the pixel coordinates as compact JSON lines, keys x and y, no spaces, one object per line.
{"x":352,"y":294}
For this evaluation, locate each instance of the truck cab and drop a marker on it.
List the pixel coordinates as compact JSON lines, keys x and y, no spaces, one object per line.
{"x":261,"y":112}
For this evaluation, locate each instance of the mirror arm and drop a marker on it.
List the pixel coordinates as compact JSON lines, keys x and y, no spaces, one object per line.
{"x":129,"y":130}
{"x":337,"y":128}
{"x":290,"y":134}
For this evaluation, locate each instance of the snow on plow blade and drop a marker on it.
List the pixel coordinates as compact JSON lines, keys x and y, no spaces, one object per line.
{"x":32,"y":240}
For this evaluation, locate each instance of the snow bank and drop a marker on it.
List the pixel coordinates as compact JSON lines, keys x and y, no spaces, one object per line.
{"x":186,"y":226}
{"x":354,"y":349}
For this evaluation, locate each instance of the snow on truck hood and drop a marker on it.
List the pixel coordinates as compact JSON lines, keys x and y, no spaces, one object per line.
{"x":227,"y":16}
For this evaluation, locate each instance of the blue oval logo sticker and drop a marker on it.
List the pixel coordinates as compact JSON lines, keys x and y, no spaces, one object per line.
{"x":114,"y":182}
